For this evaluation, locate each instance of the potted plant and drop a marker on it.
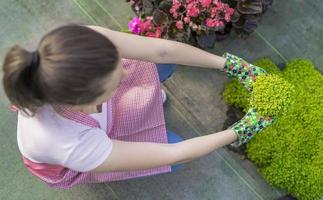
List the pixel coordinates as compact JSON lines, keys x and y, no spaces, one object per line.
{"x":197,"y":22}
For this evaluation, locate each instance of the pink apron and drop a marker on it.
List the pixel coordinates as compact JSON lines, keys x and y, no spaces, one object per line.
{"x":138,"y":115}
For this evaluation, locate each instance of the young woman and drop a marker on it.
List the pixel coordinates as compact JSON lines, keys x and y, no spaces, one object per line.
{"x":90,"y":105}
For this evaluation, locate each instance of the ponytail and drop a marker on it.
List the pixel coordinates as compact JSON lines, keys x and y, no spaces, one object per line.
{"x":20,"y":79}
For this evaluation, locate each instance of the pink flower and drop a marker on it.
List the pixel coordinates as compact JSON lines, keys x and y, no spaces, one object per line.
{"x":214,"y":11}
{"x":210,"y":22}
{"x":206,"y":3}
{"x":175,"y":7}
{"x":192,"y":10}
{"x":173,"y":11}
{"x":187,"y":20}
{"x":179,"y":25}
{"x":219,"y":23}
{"x":146,"y":25}
{"x":227,"y":18}
{"x":213,"y":23}
{"x":156,"y":34}
{"x":230,"y":11}
{"x":176,"y":2}
{"x":218,"y":4}
{"x":133,"y":25}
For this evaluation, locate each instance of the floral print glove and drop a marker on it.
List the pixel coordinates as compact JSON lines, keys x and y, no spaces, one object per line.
{"x":249,"y":125}
{"x":245,"y":72}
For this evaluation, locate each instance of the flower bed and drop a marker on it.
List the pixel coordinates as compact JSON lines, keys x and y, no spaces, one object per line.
{"x":289,"y":154}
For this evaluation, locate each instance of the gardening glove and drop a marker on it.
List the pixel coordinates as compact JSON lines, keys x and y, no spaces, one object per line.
{"x":245,"y":72}
{"x":249,"y":125}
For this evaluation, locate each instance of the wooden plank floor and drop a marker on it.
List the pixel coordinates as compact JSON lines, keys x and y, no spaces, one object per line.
{"x":195,"y":107}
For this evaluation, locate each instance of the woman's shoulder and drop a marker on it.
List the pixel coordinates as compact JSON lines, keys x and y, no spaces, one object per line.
{"x":45,"y":133}
{"x":47,"y":121}
{"x":50,"y":138}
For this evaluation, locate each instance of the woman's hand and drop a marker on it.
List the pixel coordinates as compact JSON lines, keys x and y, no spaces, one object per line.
{"x":249,"y":125}
{"x":245,"y":72}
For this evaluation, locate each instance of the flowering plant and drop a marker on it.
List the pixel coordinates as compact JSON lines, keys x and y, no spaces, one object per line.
{"x":186,"y":21}
{"x":198,"y":22}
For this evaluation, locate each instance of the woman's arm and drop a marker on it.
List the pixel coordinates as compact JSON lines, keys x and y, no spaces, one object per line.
{"x":159,"y":50}
{"x":144,"y":155}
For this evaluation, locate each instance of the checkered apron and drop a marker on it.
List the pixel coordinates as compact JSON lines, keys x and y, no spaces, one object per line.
{"x":138,"y":115}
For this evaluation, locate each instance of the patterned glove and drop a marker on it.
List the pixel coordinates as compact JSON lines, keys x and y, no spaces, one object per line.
{"x":245,"y":72}
{"x":249,"y":125}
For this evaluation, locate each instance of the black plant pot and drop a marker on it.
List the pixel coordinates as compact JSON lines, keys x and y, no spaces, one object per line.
{"x":225,"y":33}
{"x":208,"y":41}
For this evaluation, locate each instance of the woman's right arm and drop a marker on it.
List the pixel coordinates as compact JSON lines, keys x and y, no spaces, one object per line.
{"x":143,"y":155}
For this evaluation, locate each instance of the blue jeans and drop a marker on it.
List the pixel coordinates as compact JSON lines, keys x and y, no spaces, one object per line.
{"x":165,"y":71}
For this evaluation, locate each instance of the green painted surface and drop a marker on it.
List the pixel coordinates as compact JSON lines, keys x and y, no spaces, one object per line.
{"x":194,"y":108}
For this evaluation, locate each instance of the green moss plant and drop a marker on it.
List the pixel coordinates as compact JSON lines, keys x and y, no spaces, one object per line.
{"x":271,"y":95}
{"x":289,"y":154}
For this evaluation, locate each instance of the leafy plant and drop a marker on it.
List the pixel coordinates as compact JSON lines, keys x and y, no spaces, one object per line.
{"x":289,"y":154}
{"x":271,"y":95}
{"x":248,"y":14}
{"x":191,"y":21}
{"x":236,"y":95}
{"x":198,"y":22}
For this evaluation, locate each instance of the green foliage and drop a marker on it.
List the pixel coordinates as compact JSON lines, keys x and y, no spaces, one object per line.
{"x":289,"y":154}
{"x":268,"y":65}
{"x":271,"y":95}
{"x":235,"y":94}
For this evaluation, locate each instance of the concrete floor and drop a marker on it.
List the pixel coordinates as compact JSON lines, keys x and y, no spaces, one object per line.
{"x":293,"y":28}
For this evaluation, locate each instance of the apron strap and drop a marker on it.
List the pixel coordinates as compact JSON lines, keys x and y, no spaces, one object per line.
{"x":45,"y":171}
{"x":76,"y":116}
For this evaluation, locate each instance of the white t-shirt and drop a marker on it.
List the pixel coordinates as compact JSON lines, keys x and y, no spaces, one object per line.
{"x":50,"y":138}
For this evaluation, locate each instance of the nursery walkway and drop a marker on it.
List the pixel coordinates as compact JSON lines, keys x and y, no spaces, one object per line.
{"x":293,"y":28}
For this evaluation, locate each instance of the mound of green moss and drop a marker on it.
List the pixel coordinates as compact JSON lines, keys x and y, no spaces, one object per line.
{"x":289,"y":154}
{"x":271,"y":95}
{"x":235,"y":94}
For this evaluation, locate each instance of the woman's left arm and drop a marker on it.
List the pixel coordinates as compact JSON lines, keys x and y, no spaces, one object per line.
{"x":160,"y":50}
